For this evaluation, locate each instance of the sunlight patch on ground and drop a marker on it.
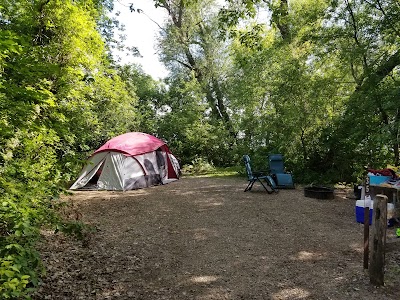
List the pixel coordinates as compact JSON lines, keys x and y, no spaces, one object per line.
{"x":108,"y":195}
{"x":306,"y":256}
{"x":216,"y":204}
{"x":187,"y":193}
{"x":202,"y":234}
{"x":46,"y":232}
{"x":291,"y":293}
{"x":204,"y":279}
{"x":217,"y":293}
{"x":339,"y":279}
{"x":208,"y":203}
{"x":357,"y":247}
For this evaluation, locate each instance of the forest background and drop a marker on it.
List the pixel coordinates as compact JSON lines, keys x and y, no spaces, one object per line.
{"x":317,"y":80}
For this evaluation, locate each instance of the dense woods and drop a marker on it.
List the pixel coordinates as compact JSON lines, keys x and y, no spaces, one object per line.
{"x":315,"y":80}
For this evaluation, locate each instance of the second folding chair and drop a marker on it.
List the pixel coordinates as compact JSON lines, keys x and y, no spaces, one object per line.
{"x":252,"y":176}
{"x":277,"y":170}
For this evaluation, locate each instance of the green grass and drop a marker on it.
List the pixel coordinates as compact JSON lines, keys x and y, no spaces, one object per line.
{"x":216,"y":172}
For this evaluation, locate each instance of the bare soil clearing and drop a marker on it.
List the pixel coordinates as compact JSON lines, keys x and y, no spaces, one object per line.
{"x":204,"y":238}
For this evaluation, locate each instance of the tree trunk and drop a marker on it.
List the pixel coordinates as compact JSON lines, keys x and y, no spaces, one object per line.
{"x":303,"y":146}
{"x":396,"y":154}
{"x":369,"y":83}
{"x":372,"y":79}
{"x":396,"y":136}
{"x":280,"y":18}
{"x":210,"y":84}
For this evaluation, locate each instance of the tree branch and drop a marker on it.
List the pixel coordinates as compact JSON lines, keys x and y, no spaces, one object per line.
{"x":355,"y":34}
{"x":372,"y":79}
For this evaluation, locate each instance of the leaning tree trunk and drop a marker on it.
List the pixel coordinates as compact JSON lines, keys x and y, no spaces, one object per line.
{"x":370,"y":82}
{"x":210,"y":85}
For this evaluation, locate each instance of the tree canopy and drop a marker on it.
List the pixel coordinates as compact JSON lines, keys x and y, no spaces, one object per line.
{"x":314,"y":80}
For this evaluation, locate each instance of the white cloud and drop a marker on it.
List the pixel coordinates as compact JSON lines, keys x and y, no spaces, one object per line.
{"x":141,"y":32}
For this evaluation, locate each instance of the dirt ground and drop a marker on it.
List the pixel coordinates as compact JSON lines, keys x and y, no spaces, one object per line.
{"x":204,"y":238}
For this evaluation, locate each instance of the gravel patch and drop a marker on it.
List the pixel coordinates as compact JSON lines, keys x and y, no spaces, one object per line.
{"x":204,"y":238}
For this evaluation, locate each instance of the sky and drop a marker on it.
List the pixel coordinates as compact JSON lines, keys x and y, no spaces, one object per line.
{"x":141,"y":32}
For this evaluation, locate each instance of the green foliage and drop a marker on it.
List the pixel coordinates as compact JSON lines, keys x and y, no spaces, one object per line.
{"x":317,"y":81}
{"x":318,"y":87}
{"x":197,"y":167}
{"x":19,"y":261}
{"x":14,"y":269}
{"x":59,"y":99}
{"x":151,"y":96}
{"x":201,"y":167}
{"x":191,"y":49}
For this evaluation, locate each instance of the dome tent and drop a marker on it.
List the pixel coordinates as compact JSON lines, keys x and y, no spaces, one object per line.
{"x":129,"y":161}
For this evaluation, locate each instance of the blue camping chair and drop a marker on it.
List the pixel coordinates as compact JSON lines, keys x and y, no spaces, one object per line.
{"x":252,"y":177}
{"x":278,"y":173}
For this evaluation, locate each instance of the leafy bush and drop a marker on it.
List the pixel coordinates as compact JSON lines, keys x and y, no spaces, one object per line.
{"x":199,"y":166}
{"x":19,"y":261}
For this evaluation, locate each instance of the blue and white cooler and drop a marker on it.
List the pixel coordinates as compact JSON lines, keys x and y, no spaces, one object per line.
{"x":360,"y":204}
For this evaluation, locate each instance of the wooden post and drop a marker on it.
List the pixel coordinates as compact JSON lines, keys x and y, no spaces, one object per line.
{"x":379,"y":225}
{"x":366,"y":223}
{"x":366,"y":236}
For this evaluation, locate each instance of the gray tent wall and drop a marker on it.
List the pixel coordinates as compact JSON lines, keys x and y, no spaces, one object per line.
{"x":120,"y":172}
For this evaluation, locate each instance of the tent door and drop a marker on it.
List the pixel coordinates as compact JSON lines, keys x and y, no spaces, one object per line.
{"x":96,"y":176}
{"x":85,"y":179}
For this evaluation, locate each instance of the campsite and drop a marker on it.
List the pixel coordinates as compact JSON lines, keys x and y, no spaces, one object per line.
{"x":251,"y":152}
{"x":204,"y":238}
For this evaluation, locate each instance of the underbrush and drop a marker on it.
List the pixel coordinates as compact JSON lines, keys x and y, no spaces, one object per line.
{"x":201,"y":167}
{"x":30,"y":187}
{"x":21,"y":219}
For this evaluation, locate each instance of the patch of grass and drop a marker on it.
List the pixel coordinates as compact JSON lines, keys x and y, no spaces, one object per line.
{"x":200,"y":167}
{"x":216,"y":172}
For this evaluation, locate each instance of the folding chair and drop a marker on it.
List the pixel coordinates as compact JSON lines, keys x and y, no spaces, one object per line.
{"x":252,"y":177}
{"x":282,"y":178}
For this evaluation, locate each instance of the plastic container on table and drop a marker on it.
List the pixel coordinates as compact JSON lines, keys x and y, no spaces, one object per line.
{"x":377,"y":180}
